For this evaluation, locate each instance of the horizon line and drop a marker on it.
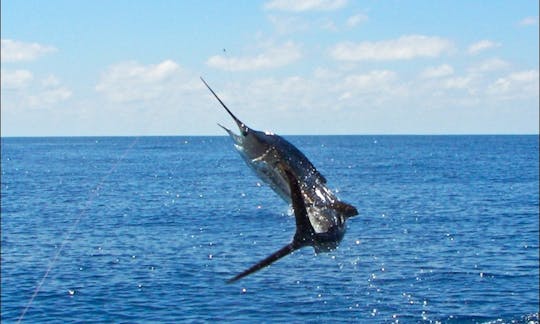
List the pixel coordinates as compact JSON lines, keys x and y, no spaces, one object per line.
{"x":311,"y":135}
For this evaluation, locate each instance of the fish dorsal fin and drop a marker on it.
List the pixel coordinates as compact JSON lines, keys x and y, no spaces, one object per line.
{"x":286,"y":250}
{"x":344,"y":208}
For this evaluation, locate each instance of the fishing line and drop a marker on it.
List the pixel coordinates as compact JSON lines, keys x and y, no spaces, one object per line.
{"x":94,"y":194}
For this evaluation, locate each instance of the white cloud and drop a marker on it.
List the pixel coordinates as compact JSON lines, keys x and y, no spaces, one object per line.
{"x":31,"y":92}
{"x":272,"y":57}
{"x":370,"y":89}
{"x":529,"y":21}
{"x":48,"y":97}
{"x":287,"y":24}
{"x":481,"y":46}
{"x":516,"y":85}
{"x":132,"y":81}
{"x":328,"y":24}
{"x":492,"y":64}
{"x":304,"y":5}
{"x":370,"y":81}
{"x":437,"y":71}
{"x":524,"y":76}
{"x":403,"y":48}
{"x":462,"y":82}
{"x":50,"y":81}
{"x":325,"y":73}
{"x":15,"y":79}
{"x":356,"y":20}
{"x":16,"y":51}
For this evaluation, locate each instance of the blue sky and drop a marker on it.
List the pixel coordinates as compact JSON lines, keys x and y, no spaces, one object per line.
{"x":99,"y":67}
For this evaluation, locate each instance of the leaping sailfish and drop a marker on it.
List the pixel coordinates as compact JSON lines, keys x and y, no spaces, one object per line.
{"x":320,"y":215}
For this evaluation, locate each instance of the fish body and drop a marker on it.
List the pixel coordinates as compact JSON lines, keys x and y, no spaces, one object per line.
{"x":320,"y":215}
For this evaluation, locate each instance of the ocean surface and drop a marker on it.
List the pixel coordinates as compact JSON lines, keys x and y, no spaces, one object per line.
{"x":149,"y":229}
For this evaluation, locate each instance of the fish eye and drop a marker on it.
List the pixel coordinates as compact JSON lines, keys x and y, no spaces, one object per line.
{"x":244,"y":131}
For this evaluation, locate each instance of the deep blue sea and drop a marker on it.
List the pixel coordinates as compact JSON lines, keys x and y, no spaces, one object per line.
{"x":149,"y":229}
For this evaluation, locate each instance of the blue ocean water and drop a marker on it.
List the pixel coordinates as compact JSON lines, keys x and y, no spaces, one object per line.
{"x":149,"y":229}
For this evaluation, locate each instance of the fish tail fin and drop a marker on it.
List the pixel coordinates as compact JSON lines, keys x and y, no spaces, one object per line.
{"x":286,"y":250}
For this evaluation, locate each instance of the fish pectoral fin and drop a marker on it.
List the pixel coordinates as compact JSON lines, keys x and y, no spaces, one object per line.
{"x":286,"y":250}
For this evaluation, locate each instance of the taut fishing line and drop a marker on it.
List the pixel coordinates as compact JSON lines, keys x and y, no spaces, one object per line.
{"x":93,"y":195}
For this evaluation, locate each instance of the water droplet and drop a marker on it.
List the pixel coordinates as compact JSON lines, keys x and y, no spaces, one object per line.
{"x":244,"y":290}
{"x":71,"y":292}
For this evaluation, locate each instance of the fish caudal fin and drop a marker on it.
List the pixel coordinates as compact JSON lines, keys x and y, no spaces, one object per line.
{"x":286,"y":250}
